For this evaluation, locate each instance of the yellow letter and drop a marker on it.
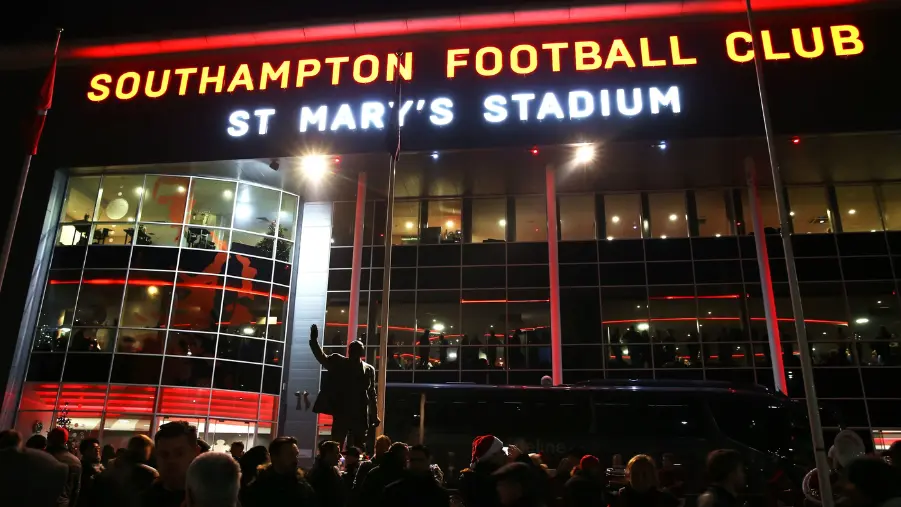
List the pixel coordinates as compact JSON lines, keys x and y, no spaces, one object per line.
{"x":732,"y":51}
{"x":817,"y":43}
{"x":498,"y":61}
{"x":532,"y":56}
{"x":185,"y":74}
{"x":270,"y":74}
{"x":768,"y":53}
{"x":619,"y":53}
{"x":135,"y":86}
{"x":305,"y":69}
{"x":646,"y":60}
{"x":99,"y":90}
{"x":336,"y":62}
{"x":405,"y":69}
{"x":374,"y":69}
{"x":555,"y":48}
{"x":677,"y":54}
{"x":588,"y":50}
{"x":218,"y":79}
{"x":242,"y":78}
{"x":841,"y":41}
{"x":164,"y":85}
{"x":453,"y":63}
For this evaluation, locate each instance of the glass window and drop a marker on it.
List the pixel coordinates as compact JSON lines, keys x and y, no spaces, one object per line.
{"x":113,"y":234}
{"x":256,"y":209}
{"x":809,"y":211}
{"x":119,"y":198}
{"x":206,"y":238}
{"x":713,"y":219}
{"x":158,"y":235}
{"x":211,"y":202}
{"x":668,"y":218}
{"x":191,"y":344}
{"x":287,"y":216}
{"x":89,"y":339}
{"x":626,"y":326}
{"x":445,"y":225}
{"x":147,"y":298}
{"x":252,"y":244}
{"x":576,"y":217}
{"x":197,"y":302}
{"x":343,"y":216}
{"x":245,"y":308}
{"x":164,"y":199}
{"x":489,"y":220}
{"x":100,"y":298}
{"x":437,"y":318}
{"x":768,"y":211}
{"x":405,"y":229}
{"x":531,"y":219}
{"x":623,"y":215}
{"x":857,"y":206}
{"x":81,"y":196}
{"x":140,"y":341}
{"x":890,"y":197}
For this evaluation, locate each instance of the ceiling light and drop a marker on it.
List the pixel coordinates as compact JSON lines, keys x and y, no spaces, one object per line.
{"x":502,"y":223}
{"x":673,"y":217}
{"x":717,"y":235}
{"x":181,"y":189}
{"x":227,"y":194}
{"x":408,"y":225}
{"x":450,"y":224}
{"x":791,"y":213}
{"x":852,"y":211}
{"x":584,"y":154}
{"x":434,"y":155}
{"x":609,"y":238}
{"x":663,"y":236}
{"x":862,"y":320}
{"x":615,"y":219}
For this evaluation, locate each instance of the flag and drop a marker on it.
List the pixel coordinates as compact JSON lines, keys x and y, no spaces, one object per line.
{"x":45,"y":100}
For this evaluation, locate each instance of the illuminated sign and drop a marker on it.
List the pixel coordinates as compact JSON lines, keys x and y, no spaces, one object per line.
{"x":485,"y":61}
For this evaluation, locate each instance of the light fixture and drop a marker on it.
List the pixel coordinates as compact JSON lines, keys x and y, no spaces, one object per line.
{"x":342,"y":310}
{"x":717,"y":235}
{"x":584,"y":154}
{"x":643,"y":326}
{"x":180,"y":189}
{"x":227,"y":194}
{"x":796,"y":140}
{"x":434,"y":155}
{"x":609,"y":238}
{"x":534,"y":150}
{"x":153,"y":290}
{"x":673,"y":217}
{"x":878,"y":302}
{"x":408,"y":225}
{"x":661,"y":145}
{"x":615,"y":219}
{"x":139,"y":191}
{"x":872,"y":230}
{"x":314,"y":167}
{"x":248,"y":330}
{"x":663,"y":236}
{"x":502,"y":222}
{"x":438,"y":326}
{"x":791,"y":213}
{"x":852,"y":211}
{"x":450,"y":224}
{"x":862,"y":320}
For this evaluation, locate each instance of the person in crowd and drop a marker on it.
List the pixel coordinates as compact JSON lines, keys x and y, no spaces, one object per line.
{"x":382,"y":445}
{"x":203,"y":446}
{"x":91,"y":468}
{"x":250,"y":463}
{"x":894,"y":454}
{"x":643,"y":489}
{"x":37,"y":442}
{"x":726,"y":472}
{"x":107,"y":454}
{"x":847,"y":447}
{"x":349,"y":394}
{"x":31,"y":478}
{"x":213,"y":479}
{"x":10,"y":439}
{"x":561,"y":476}
{"x":871,"y":482}
{"x":236,"y":450}
{"x":126,"y":478}
{"x":671,"y":479}
{"x":478,"y":485}
{"x":351,"y":466}
{"x":515,"y":486}
{"x":544,"y":486}
{"x":57,"y":441}
{"x":280,"y":482}
{"x":176,"y":447}
{"x":586,"y":487}
{"x":392,"y":468}
{"x":324,"y":476}
{"x":418,"y":487}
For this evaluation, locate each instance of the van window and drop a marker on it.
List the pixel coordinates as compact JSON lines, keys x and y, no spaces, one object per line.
{"x":755,"y":421}
{"x":636,"y":414}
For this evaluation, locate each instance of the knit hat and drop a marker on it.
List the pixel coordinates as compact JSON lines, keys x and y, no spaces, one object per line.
{"x":589,"y":462}
{"x":485,"y":447}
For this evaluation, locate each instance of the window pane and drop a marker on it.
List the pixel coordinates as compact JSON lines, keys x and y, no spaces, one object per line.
{"x":343,"y":215}
{"x":489,"y":220}
{"x":444,"y":222}
{"x":100,"y":298}
{"x":158,"y":235}
{"x":140,"y":341}
{"x":245,"y":308}
{"x":113,"y":234}
{"x":768,"y":210}
{"x":89,"y":339}
{"x":623,"y":212}
{"x":405,"y":229}
{"x":119,"y":198}
{"x":211,"y":202}
{"x":713,"y":220}
{"x":80,"y":199}
{"x":252,"y":244}
{"x":197,"y":302}
{"x":891,"y":205}
{"x":207,"y":239}
{"x":256,"y":209}
{"x":668,"y":218}
{"x":287,"y":216}
{"x":164,"y":199}
{"x":577,"y":217}
{"x":147,"y":298}
{"x":531,"y":219}
{"x":857,"y":206}
{"x":809,"y":211}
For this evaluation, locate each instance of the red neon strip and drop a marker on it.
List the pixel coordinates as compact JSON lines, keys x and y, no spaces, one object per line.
{"x":160,"y":283}
{"x":680,"y":319}
{"x":463,"y":22}
{"x":488,"y":301}
{"x":726,"y":296}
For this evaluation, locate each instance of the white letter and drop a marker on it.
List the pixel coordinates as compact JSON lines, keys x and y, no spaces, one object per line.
{"x":550,"y":105}
{"x":344,"y":118}
{"x":523,"y":99}
{"x":441,"y":111}
{"x":372,"y":113}
{"x":576,"y":98}
{"x":670,"y":99}
{"x":605,"y":103}
{"x":238,"y":120}
{"x":621,"y":102}
{"x":308,"y":117}
{"x":404,"y":109}
{"x":263,"y":115}
{"x":495,"y":110}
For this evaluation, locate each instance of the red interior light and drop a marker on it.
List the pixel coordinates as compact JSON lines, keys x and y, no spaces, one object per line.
{"x":534,"y":151}
{"x":796,"y":140}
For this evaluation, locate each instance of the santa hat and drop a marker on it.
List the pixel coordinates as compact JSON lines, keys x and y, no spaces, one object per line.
{"x":589,"y":462}
{"x":484,"y":447}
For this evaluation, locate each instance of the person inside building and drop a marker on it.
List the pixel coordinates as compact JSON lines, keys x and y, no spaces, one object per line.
{"x":478,"y":485}
{"x":176,"y":447}
{"x":57,"y":446}
{"x":280,"y":483}
{"x":324,"y":476}
{"x":418,"y":487}
{"x":213,"y":479}
{"x":726,"y":472}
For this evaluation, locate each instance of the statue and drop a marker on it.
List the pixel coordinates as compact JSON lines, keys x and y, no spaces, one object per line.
{"x":348,"y":393}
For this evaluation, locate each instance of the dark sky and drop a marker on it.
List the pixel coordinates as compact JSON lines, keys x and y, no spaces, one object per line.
{"x":35,"y":20}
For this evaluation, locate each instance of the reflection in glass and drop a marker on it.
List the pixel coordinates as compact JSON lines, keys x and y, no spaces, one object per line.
{"x":668,"y":218}
{"x":674,"y":327}
{"x":252,"y":244}
{"x":147,"y":298}
{"x":140,"y":341}
{"x":157,"y":235}
{"x":191,"y":344}
{"x":89,"y":339}
{"x":164,"y":199}
{"x":205,"y":238}
{"x":119,"y":198}
{"x":531,"y":219}
{"x":211,"y":202}
{"x":113,"y":234}
{"x":184,"y":371}
{"x":857,"y":208}
{"x":576,"y":217}
{"x":81,"y":196}
{"x":100,"y":299}
{"x":768,"y":211}
{"x":197,"y":302}
{"x":625,"y":326}
{"x":73,"y":234}
{"x":445,"y":223}
{"x":256,"y":209}
{"x":245,"y":308}
{"x":278,"y":313}
{"x":405,"y":228}
{"x":489,"y":220}
{"x":623,"y":215}
{"x":809,"y":210}
{"x":287,"y":217}
{"x":713,"y":220}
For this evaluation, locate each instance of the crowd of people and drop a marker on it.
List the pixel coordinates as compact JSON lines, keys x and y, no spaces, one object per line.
{"x":177,"y":469}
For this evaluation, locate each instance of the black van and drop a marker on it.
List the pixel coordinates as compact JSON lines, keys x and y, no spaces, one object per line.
{"x":688,"y":419}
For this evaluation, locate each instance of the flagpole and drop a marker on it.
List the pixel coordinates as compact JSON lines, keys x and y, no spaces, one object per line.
{"x":386,"y":276}
{"x":20,"y":190}
{"x":810,"y":393}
